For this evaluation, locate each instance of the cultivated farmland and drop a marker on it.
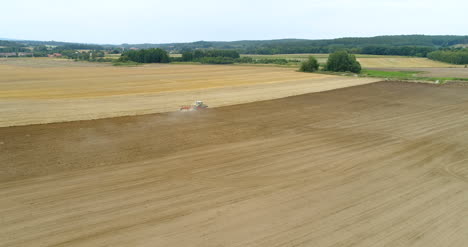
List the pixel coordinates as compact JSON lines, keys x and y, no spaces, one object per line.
{"x":47,"y":90}
{"x":381,"y":164}
{"x":458,"y":72}
{"x":403,"y":62}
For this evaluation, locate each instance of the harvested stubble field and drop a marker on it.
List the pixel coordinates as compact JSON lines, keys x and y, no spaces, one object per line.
{"x":46,"y":90}
{"x":402,"y":62}
{"x":371,"y":61}
{"x":382,"y":164}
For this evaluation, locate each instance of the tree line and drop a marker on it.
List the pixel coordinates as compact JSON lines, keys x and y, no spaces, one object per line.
{"x":414,"y":51}
{"x":455,"y":56}
{"x":212,"y":54}
{"x":209,"y":56}
{"x":152,"y":55}
{"x":216,"y":56}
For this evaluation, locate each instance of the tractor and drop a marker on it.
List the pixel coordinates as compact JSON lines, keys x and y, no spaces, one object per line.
{"x":198,"y":105}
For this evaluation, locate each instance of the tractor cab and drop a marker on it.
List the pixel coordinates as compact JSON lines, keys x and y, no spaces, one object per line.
{"x":199,"y":104}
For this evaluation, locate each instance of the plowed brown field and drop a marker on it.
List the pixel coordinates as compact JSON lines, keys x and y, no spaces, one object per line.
{"x":383,"y":164}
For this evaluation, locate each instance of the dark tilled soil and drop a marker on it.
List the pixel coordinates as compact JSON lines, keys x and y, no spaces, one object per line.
{"x":383,"y":164}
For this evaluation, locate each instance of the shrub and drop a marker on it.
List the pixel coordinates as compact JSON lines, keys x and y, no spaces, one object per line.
{"x":311,"y":65}
{"x":342,"y":61}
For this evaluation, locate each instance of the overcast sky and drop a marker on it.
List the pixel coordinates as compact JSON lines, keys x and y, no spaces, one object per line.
{"x":155,"y":21}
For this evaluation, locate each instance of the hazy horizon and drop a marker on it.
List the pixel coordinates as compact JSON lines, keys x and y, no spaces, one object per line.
{"x":145,"y":21}
{"x":66,"y":41}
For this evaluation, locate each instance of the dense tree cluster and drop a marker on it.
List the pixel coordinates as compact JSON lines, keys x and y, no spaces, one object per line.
{"x":152,"y":55}
{"x":211,"y":56}
{"x":455,"y":56}
{"x":342,"y":61}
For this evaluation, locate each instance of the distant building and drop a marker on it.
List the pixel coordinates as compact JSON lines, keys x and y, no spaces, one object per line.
{"x":134,"y":48}
{"x":55,"y":55}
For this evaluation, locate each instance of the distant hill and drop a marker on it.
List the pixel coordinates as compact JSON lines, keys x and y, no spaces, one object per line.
{"x":311,"y":46}
{"x":382,"y":44}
